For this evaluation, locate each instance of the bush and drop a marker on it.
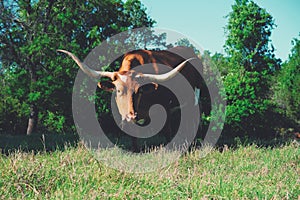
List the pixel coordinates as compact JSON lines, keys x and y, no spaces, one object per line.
{"x":286,"y":86}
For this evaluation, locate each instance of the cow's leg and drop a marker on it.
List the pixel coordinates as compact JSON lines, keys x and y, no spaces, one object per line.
{"x":174,"y":115}
{"x":134,"y":144}
{"x":129,"y":128}
{"x":168,"y":127}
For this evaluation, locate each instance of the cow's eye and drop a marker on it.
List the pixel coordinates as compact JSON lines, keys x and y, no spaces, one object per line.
{"x":120,"y":92}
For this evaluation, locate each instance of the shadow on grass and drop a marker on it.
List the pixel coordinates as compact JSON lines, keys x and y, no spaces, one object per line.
{"x":37,"y":142}
{"x":56,"y":141}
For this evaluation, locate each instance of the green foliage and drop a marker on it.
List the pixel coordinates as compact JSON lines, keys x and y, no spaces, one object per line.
{"x":249,"y":68}
{"x":246,"y":107}
{"x":213,"y":80}
{"x":135,"y":13}
{"x":31,"y":31}
{"x":53,"y":122}
{"x":14,"y":89}
{"x":248,"y":37}
{"x":221,"y":62}
{"x":286,"y":85}
{"x":186,"y":43}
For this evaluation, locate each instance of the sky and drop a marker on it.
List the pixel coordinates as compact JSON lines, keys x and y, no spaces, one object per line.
{"x":203,"y":21}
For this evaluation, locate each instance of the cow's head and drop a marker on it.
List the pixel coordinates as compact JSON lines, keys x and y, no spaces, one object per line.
{"x":126,"y":84}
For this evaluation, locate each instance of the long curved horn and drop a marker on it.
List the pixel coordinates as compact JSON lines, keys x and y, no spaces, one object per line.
{"x":168,"y":75}
{"x":90,"y":72}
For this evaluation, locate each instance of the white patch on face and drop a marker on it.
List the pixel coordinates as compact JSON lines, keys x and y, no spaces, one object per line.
{"x":123,"y":78}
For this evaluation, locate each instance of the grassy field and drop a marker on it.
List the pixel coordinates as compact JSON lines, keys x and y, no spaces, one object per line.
{"x":245,"y":172}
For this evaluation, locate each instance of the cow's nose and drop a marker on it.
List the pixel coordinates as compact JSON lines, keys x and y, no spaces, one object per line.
{"x":131,"y":116}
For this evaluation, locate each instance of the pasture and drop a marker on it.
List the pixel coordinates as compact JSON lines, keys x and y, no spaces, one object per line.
{"x":243,"y":90}
{"x":71,"y":172}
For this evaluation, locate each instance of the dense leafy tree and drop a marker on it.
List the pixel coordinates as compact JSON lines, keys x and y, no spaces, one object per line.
{"x":221,"y":62}
{"x":13,"y":100}
{"x":213,"y":100}
{"x":286,"y":85}
{"x":251,"y":64}
{"x":36,"y":82}
{"x":248,"y":37}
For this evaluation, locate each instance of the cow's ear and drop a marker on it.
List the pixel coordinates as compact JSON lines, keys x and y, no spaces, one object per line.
{"x":149,"y":88}
{"x":106,"y":85}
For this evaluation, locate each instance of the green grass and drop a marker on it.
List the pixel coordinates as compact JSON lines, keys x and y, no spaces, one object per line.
{"x":246,"y":172}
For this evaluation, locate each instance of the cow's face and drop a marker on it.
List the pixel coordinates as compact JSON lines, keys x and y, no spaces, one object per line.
{"x":126,"y":86}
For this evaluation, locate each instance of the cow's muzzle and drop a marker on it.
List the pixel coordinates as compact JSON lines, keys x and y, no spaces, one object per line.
{"x":131,"y":117}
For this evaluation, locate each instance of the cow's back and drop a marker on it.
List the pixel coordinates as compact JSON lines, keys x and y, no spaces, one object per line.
{"x":171,"y":57}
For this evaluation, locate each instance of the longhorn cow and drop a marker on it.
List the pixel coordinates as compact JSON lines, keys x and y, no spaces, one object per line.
{"x":132,"y":101}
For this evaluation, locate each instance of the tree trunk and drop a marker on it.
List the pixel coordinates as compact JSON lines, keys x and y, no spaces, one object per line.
{"x":33,"y":118}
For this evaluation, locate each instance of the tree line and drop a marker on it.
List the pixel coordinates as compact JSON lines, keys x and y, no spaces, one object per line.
{"x":262,"y":93}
